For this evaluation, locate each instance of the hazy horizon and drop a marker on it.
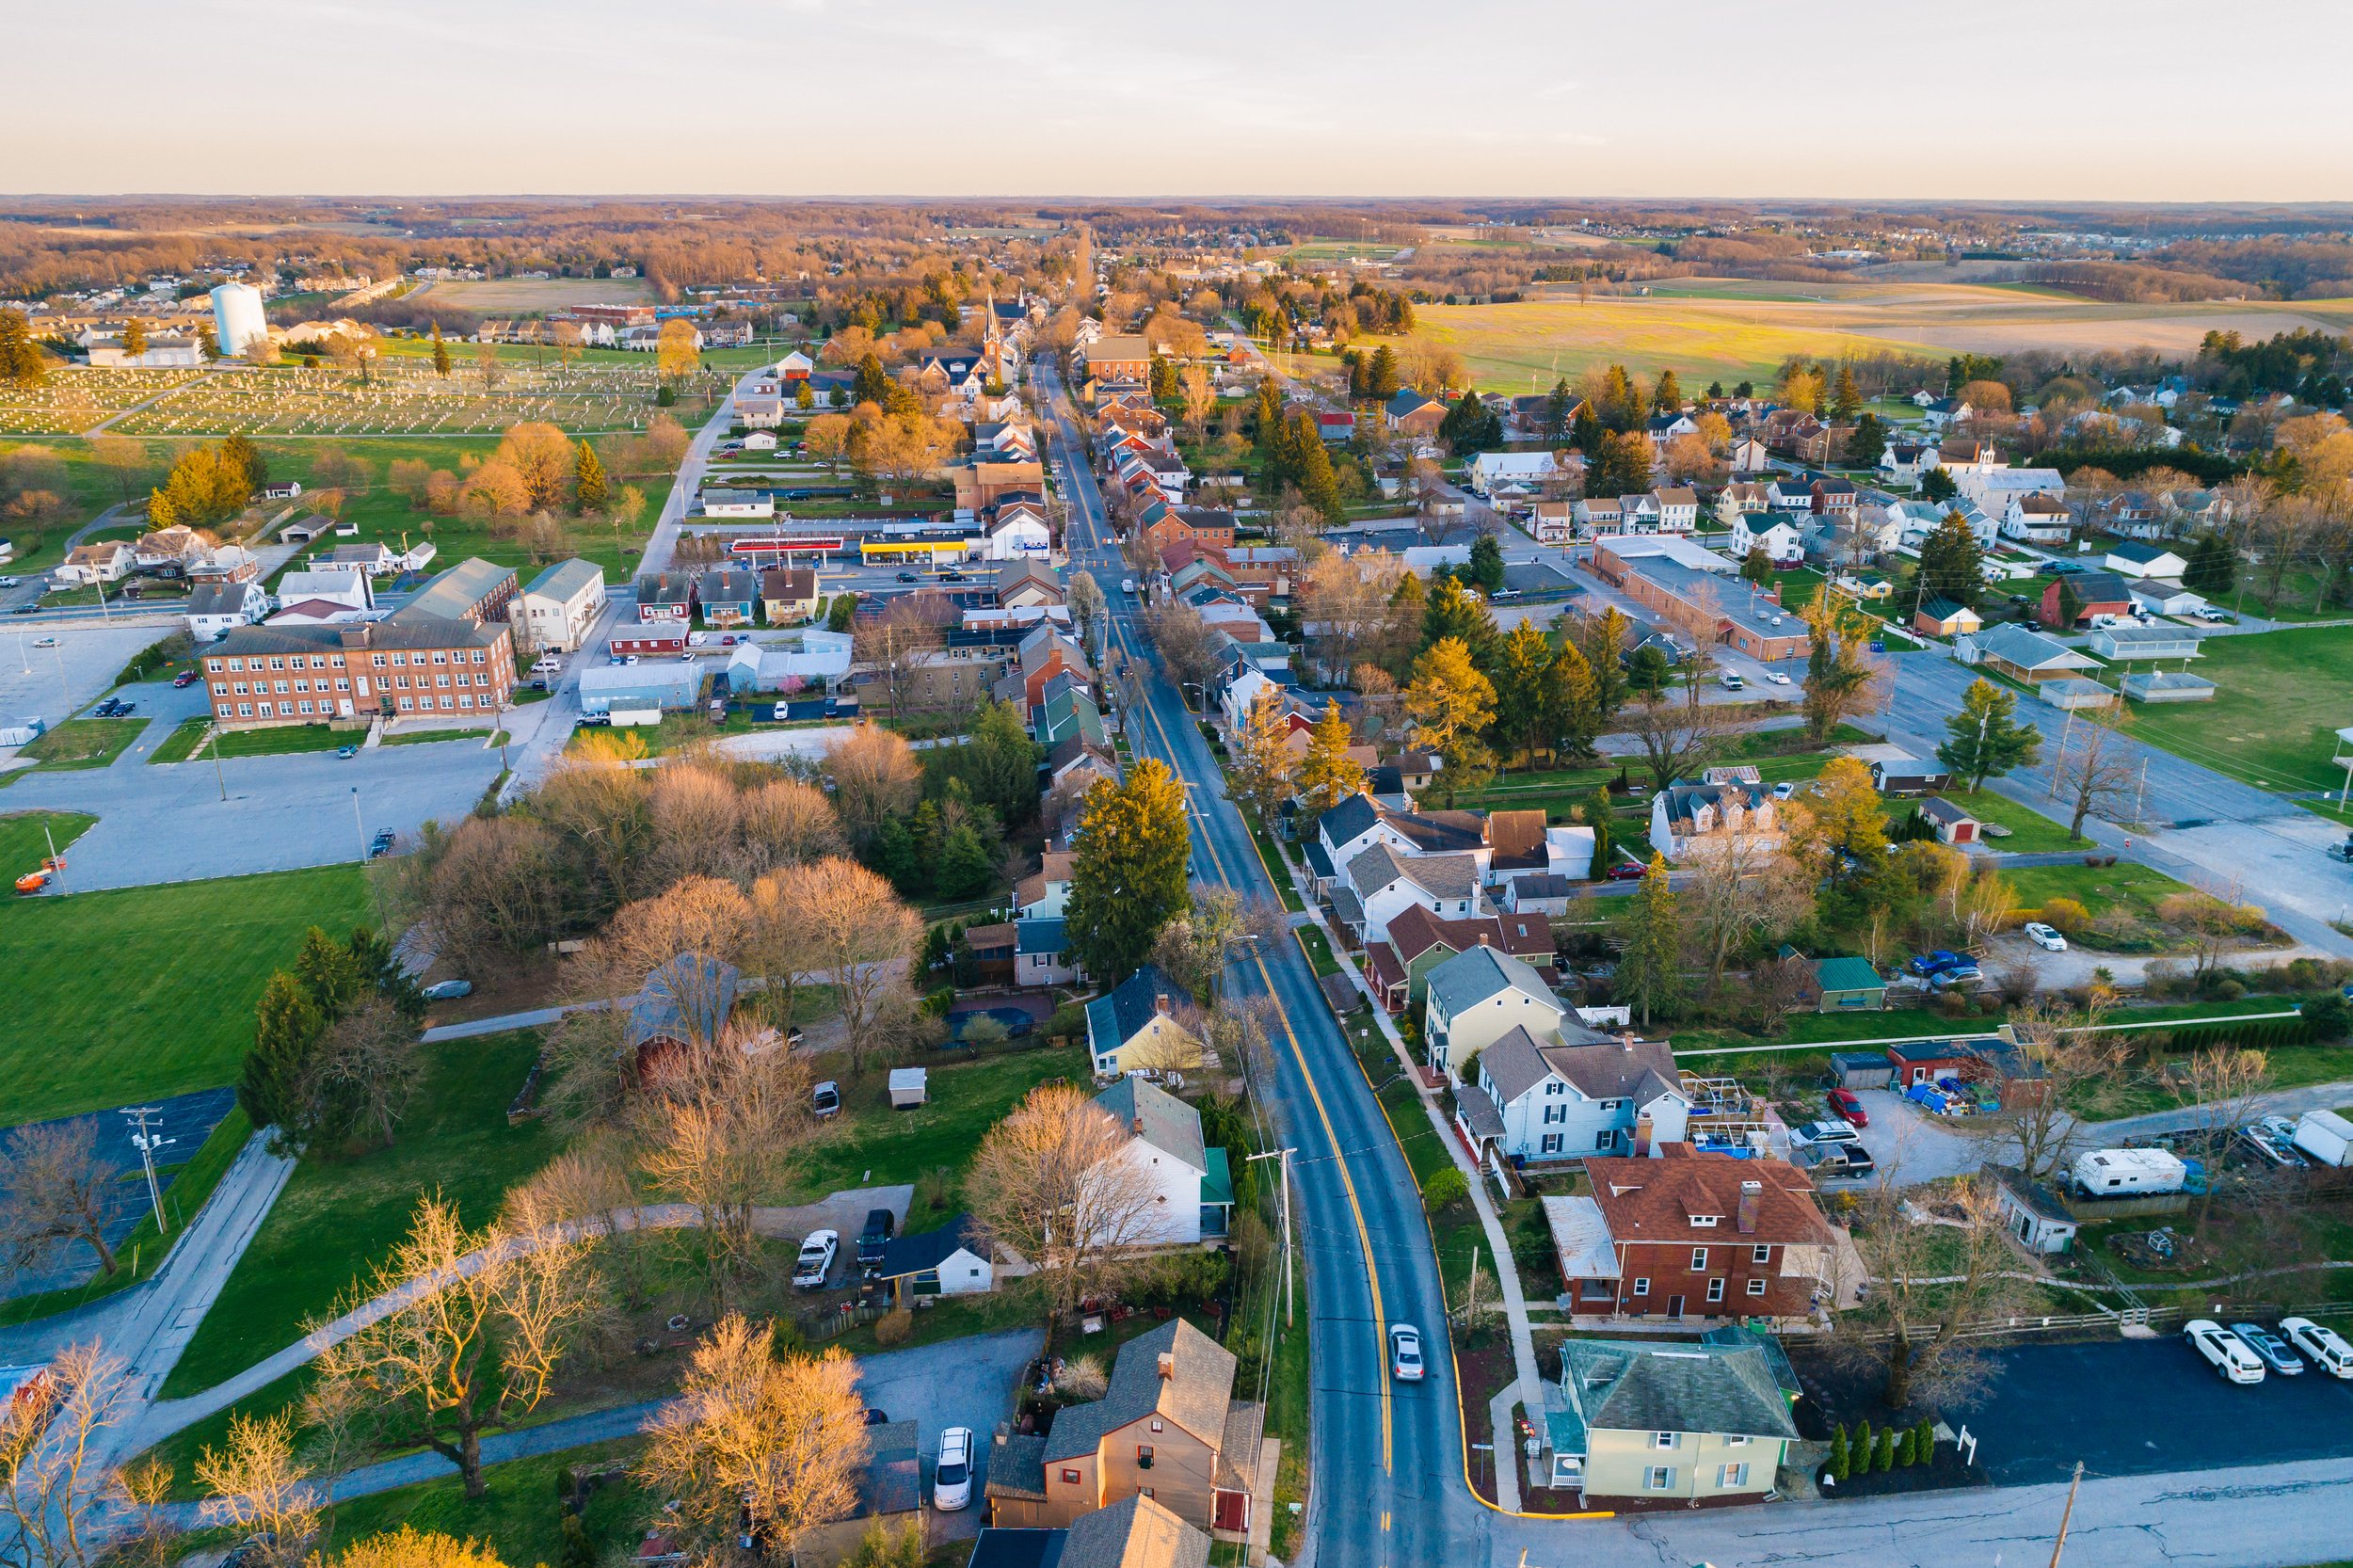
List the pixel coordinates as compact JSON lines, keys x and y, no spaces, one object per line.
{"x":2010,"y":102}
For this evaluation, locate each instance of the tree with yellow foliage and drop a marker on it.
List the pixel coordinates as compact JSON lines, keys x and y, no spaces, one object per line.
{"x":1329,"y":775}
{"x":1452,"y":706}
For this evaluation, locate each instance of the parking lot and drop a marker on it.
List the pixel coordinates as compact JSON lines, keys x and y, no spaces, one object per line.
{"x":959,"y":1383}
{"x":54,"y":683}
{"x":2145,"y":1406}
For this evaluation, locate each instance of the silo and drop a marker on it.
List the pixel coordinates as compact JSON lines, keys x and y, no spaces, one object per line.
{"x":237,"y":318}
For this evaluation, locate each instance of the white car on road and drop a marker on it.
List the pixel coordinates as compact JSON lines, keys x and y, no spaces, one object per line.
{"x":2044,"y":937}
{"x":2225,"y":1351}
{"x":952,"y":1475}
{"x":1405,"y":1363}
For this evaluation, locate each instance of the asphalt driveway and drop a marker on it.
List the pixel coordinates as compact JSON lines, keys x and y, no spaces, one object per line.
{"x":2143,"y":1407}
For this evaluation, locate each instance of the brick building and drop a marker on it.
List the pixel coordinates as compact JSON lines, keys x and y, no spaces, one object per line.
{"x":1687,"y":1234}
{"x":405,"y":665}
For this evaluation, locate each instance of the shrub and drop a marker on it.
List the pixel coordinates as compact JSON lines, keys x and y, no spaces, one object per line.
{"x":2065,"y":914}
{"x":1908,"y":1449}
{"x":896,"y":1328}
{"x":984,"y":1033}
{"x":1069,"y":1022}
{"x":1841,"y":1460}
{"x":1860,"y":1448}
{"x":937,"y":1004}
{"x":1884,"y":1460}
{"x":1924,"y":1441}
{"x":2328,"y":1014}
{"x":1447,"y":1187}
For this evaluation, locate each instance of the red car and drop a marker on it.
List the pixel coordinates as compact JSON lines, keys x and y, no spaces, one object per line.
{"x":1627,"y":871}
{"x":186,"y":677}
{"x":1844,"y":1104}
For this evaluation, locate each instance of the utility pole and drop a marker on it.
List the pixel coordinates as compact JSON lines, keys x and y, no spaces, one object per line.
{"x":2066,"y":1515}
{"x":1284,"y":1156}
{"x":146,"y":1144}
{"x":383,"y":926}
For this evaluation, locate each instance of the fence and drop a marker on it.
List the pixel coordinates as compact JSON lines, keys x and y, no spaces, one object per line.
{"x":820,"y":1327}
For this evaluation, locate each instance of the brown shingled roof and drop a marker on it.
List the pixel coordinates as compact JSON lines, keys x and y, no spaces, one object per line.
{"x":1653,"y":1200}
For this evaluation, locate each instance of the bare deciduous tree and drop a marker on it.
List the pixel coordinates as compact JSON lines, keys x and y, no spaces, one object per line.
{"x":1743,"y":888}
{"x":142,"y":1488}
{"x":1927,"y":1279}
{"x":1184,"y":641}
{"x":781,"y":1438}
{"x":367,"y":1068}
{"x":2094,"y":773}
{"x":717,"y":1131}
{"x":2061,"y":1054}
{"x":1678,"y":733}
{"x":258,"y":1486}
{"x":479,"y":1322}
{"x":2223,"y":1089}
{"x":51,"y":1474}
{"x":1054,"y":1184}
{"x":876,"y":777}
{"x":54,"y":1189}
{"x":895,"y":646}
{"x":861,"y":938}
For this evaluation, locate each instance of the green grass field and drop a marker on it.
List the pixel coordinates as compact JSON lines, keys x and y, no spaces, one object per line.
{"x":23,"y":841}
{"x":2030,"y":832}
{"x":2280,"y":699}
{"x":186,"y":741}
{"x":85,"y":742}
{"x":2101,"y":889}
{"x":870,"y":1144}
{"x":141,"y":992}
{"x":338,"y":1215}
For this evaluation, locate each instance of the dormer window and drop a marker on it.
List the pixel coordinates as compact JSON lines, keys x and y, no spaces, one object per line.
{"x":1705,"y":1221}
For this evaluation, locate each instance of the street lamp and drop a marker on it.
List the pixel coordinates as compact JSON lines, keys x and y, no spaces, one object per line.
{"x":146,"y":1144}
{"x":382,"y":925}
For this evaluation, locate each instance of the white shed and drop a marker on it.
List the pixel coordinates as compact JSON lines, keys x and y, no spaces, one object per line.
{"x":909,"y":1088}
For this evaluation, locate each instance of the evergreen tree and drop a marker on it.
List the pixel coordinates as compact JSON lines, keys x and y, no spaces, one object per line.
{"x":1667,"y":397}
{"x":1572,"y":712}
{"x":1523,"y":668}
{"x":2212,"y":569}
{"x":590,"y":489}
{"x":1715,"y":391}
{"x":1451,"y":704}
{"x":1868,"y":443}
{"x":440,"y":352}
{"x":160,"y":511}
{"x":1328,"y":774}
{"x":1453,"y":613}
{"x":1317,"y":482}
{"x":1128,"y":877}
{"x":1936,"y":485}
{"x":1381,"y":381}
{"x":1924,"y":1441}
{"x":892,"y":854}
{"x":1267,"y":412}
{"x":1859,"y":1445}
{"x":1556,"y":409}
{"x":1756,"y":566}
{"x":1952,"y":564}
{"x":135,"y":336}
{"x":1600,"y":815}
{"x":1620,"y":409}
{"x":803,"y":397}
{"x":1486,"y":563}
{"x":287,"y":1026}
{"x":1884,"y":1460}
{"x":1846,"y":399}
{"x":1621,"y":468}
{"x":1263,"y":762}
{"x":1906,"y":1449}
{"x":248,"y":460}
{"x":1650,"y":971}
{"x":1587,"y":433}
{"x":1746,"y":389}
{"x":1841,"y":1459}
{"x":1000,"y":763}
{"x":1470,"y":426}
{"x":1987,"y":738}
{"x":1602,"y":639}
{"x":873,"y":384}
{"x":1359,"y":376}
{"x":964,"y":869}
{"x":329,"y":973}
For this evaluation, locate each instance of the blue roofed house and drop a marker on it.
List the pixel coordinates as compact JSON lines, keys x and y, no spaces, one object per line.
{"x":1135,"y":1025}
{"x":1691,"y":1421}
{"x":1043,"y":954}
{"x":1192,"y":1184}
{"x":953,"y":1260}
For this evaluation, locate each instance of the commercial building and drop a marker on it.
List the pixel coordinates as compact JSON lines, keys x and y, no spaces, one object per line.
{"x":1694,"y":591}
{"x":554,"y":613}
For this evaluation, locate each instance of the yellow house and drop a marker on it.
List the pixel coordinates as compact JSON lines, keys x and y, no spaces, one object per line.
{"x":1700,"y":1421}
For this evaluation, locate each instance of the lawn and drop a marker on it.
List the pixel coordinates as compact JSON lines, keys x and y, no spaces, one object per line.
{"x":338,"y":1215}
{"x":871,"y":1144}
{"x":2134,"y":891}
{"x":136,"y":993}
{"x":2280,"y":700}
{"x":429,"y":737}
{"x":186,"y":741}
{"x":2137,"y":1090}
{"x":2030,"y":831}
{"x":85,"y":742}
{"x":25,"y":836}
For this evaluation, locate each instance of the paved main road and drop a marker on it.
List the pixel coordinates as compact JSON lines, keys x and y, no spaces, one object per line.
{"x":1387,"y":1478}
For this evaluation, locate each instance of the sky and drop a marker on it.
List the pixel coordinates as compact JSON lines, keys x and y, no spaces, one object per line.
{"x":2002,"y":100}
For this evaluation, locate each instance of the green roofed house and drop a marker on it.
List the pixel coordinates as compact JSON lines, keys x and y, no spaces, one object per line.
{"x":1695,"y":1422}
{"x":1849,"y":985}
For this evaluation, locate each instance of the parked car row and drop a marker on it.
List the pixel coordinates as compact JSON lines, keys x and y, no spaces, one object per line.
{"x":114,"y":708}
{"x":2245,"y":1353}
{"x":820,"y":1248}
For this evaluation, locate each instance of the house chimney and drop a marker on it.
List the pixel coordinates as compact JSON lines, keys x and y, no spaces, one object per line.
{"x":1135,"y":1124}
{"x":1159,"y":1001}
{"x":1168,"y":1366}
{"x":1751,"y":1193}
{"x":1642,"y":1134}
